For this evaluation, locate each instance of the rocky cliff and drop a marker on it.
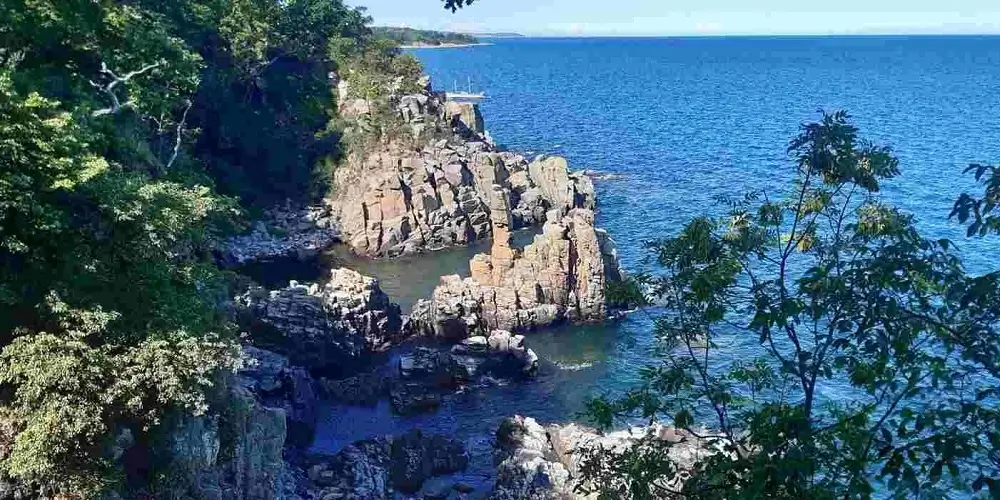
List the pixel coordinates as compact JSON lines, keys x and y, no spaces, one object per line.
{"x":560,"y":276}
{"x":238,"y":451}
{"x":431,"y":185}
{"x":333,"y":327}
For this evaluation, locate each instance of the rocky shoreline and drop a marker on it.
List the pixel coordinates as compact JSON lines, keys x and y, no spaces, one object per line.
{"x":442,"y":183}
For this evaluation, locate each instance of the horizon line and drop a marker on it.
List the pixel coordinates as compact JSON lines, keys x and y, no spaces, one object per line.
{"x":734,"y":34}
{"x":555,"y":34}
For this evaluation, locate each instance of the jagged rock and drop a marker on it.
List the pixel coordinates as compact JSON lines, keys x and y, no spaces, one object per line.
{"x":412,"y":398}
{"x":556,"y":183}
{"x":235,"y":457}
{"x":544,"y":463}
{"x":526,"y":464}
{"x":561,"y":275}
{"x":375,"y":468}
{"x":466,"y":115}
{"x":282,"y":233}
{"x":415,"y":457}
{"x":333,"y":328}
{"x":277,"y":384}
{"x":435,"y":189}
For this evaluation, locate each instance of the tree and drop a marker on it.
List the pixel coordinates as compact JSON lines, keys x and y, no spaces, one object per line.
{"x":454,"y":5}
{"x":820,"y":346}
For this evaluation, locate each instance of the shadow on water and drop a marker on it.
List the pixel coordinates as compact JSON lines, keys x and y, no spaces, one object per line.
{"x":405,"y":279}
{"x":576,"y":362}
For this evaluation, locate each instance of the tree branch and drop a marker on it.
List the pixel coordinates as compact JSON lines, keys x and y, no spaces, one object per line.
{"x":109,"y":88}
{"x":177,"y":141}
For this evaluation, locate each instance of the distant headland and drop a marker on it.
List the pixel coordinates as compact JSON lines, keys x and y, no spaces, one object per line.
{"x":409,"y":38}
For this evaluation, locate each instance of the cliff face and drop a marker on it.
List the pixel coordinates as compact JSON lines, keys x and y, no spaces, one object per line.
{"x":560,"y":276}
{"x":237,"y":453}
{"x":431,"y":186}
{"x":331,"y":328}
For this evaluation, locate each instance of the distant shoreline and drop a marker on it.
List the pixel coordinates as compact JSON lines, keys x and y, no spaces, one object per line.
{"x":444,"y":45}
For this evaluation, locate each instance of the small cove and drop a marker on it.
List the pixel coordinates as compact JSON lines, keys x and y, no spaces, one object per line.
{"x":712,"y":124}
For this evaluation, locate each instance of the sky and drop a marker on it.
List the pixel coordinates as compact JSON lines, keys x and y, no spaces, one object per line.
{"x":694,"y":17}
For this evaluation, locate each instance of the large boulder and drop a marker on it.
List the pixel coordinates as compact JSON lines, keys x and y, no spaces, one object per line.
{"x":332,"y":328}
{"x":560,"y":276}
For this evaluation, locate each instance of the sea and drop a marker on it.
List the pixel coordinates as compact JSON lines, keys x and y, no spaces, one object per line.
{"x":666,"y":126}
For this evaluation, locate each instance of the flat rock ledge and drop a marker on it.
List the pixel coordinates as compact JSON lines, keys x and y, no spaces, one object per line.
{"x":335,"y":327}
{"x":282,"y":233}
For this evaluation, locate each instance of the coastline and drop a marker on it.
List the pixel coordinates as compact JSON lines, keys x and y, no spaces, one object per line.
{"x":444,"y":46}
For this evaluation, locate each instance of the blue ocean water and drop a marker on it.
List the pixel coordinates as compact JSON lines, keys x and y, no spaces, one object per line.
{"x":676,"y":122}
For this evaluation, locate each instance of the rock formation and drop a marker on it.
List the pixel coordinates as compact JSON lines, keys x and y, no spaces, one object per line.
{"x":283,"y":232}
{"x":432,"y":186}
{"x":544,"y":463}
{"x":238,"y":452}
{"x":277,"y":384}
{"x":560,"y":276}
{"x":333,"y":328}
{"x":425,"y":375}
{"x":375,"y":469}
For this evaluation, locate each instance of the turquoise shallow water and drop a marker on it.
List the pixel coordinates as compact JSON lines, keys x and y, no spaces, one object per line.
{"x":679,"y":122}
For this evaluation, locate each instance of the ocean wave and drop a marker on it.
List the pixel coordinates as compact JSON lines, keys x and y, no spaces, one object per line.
{"x":574,"y":367}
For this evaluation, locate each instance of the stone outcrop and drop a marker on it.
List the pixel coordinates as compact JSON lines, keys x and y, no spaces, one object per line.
{"x":432,"y":187}
{"x":419,"y":381}
{"x":283,"y":232}
{"x":333,"y":327}
{"x":239,"y":452}
{"x":426,"y":375}
{"x":235,"y":455}
{"x":560,"y":276}
{"x":544,"y":463}
{"x":277,"y":384}
{"x":376,"y":469}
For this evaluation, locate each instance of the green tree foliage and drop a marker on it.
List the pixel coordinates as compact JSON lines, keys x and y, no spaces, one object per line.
{"x":454,"y":5}
{"x":820,"y":345}
{"x":120,"y":124}
{"x":410,"y":36}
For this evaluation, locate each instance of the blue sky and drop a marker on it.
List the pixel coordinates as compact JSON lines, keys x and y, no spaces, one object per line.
{"x":694,"y":17}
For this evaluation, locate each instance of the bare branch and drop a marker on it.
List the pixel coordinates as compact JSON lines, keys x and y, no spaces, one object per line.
{"x":109,"y":88}
{"x":177,"y":141}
